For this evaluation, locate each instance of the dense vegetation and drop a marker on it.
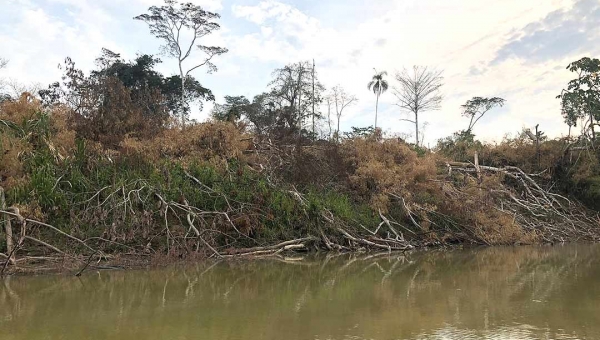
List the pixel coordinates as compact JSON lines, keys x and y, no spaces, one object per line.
{"x":108,"y":163}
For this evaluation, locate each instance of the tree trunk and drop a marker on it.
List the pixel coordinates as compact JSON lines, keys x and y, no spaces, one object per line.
{"x":537,"y":146}
{"x":300,"y":117}
{"x":182,"y":104}
{"x":329,"y":116}
{"x":313,"y":99}
{"x":417,"y":127}
{"x":376,"y":108}
{"x":7,"y":230}
{"x":337,"y":114}
{"x":592,"y":127}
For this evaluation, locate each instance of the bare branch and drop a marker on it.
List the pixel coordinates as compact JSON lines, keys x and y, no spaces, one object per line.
{"x":169,"y":22}
{"x":341,"y":100}
{"x":418,"y":91}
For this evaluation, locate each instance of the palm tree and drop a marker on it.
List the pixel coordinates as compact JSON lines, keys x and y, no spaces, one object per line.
{"x":378,"y":85}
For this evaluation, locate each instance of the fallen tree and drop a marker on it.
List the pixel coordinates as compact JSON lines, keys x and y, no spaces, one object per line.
{"x":555,"y":218}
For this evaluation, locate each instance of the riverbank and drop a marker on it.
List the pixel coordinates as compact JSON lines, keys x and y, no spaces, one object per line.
{"x":215,"y":190}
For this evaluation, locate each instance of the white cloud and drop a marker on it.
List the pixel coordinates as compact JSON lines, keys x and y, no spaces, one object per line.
{"x":39,"y":41}
{"x":462,"y":39}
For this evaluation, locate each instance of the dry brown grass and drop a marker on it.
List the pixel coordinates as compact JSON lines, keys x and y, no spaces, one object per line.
{"x":378,"y":169}
{"x":213,"y":141}
{"x":13,"y":146}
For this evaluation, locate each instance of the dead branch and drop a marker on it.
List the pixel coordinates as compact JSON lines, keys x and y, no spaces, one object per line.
{"x":271,"y":248}
{"x":50,"y":227}
{"x":46,"y":245}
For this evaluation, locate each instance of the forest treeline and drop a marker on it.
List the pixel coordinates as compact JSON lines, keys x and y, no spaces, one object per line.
{"x":108,"y":163}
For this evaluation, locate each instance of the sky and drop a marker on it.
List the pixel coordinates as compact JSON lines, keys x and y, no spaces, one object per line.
{"x":514,"y":49}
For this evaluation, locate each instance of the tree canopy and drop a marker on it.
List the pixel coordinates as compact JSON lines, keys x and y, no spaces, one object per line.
{"x":234,"y":108}
{"x":170,"y":23}
{"x":476,"y":107}
{"x":418,"y":91}
{"x":378,"y":85}
{"x":121,"y":97}
{"x":581,"y":99}
{"x":139,"y":74}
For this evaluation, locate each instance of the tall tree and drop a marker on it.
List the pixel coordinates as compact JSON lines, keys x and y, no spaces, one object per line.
{"x":418,"y":91}
{"x":293,"y":93}
{"x":341,"y":100}
{"x":263,"y":114}
{"x":581,"y":98}
{"x":171,"y":22}
{"x":378,"y":85}
{"x":328,"y":99}
{"x":476,"y":107}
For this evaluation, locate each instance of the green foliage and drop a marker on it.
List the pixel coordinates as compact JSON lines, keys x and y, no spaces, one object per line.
{"x":141,"y":190}
{"x":140,"y":77}
{"x":581,"y":98}
{"x":234,"y":108}
{"x":460,"y":146}
{"x":590,"y":191}
{"x":262,"y":114}
{"x":117,"y":196}
{"x":360,"y":132}
{"x":295,"y":93}
{"x":477,"y":107}
{"x":341,"y":206}
{"x":166,"y":23}
{"x":378,"y":85}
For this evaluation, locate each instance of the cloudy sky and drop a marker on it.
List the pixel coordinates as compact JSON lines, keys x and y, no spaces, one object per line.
{"x":515,"y":49}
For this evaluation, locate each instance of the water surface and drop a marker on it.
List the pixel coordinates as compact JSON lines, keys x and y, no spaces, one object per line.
{"x":491,"y":293}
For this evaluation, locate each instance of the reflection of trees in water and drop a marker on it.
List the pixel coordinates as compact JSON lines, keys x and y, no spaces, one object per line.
{"x":394,"y":296}
{"x":515,"y":332}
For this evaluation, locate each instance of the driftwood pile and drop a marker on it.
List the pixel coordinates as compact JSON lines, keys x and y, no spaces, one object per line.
{"x":554,"y":217}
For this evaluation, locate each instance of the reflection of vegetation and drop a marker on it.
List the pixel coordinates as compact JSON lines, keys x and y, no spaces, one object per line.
{"x":478,"y":291}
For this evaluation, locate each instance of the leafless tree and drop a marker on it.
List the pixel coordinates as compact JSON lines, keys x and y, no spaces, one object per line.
{"x":171,"y":23}
{"x":296,"y":89}
{"x":290,"y":85}
{"x":3,"y":63}
{"x":341,"y":100}
{"x":418,"y":91}
{"x":14,"y":88}
{"x":329,"y":100}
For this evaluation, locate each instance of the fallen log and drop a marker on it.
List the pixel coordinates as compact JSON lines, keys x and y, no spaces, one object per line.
{"x":271,"y":248}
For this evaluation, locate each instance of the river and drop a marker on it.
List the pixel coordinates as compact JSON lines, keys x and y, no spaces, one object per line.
{"x":485,"y":293}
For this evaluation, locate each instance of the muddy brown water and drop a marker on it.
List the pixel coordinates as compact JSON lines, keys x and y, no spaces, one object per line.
{"x":490,"y":293}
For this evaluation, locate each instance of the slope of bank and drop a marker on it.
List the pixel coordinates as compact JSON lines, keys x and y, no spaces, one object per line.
{"x":213,"y":190}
